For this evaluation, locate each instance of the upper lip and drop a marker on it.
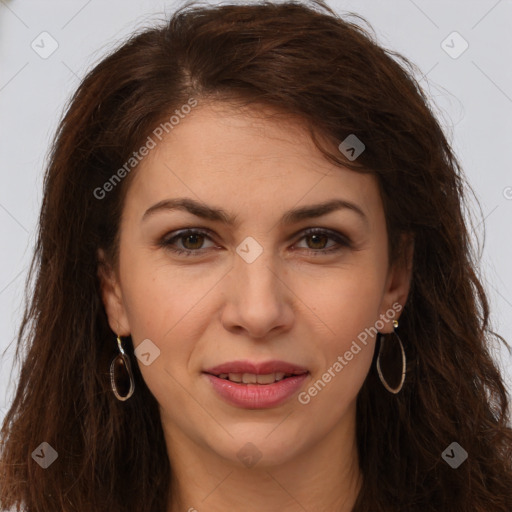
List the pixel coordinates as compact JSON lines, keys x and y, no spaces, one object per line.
{"x":263,"y":368}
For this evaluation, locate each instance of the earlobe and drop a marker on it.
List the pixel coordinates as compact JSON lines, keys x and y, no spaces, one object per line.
{"x":399,"y":281}
{"x":112,"y":297}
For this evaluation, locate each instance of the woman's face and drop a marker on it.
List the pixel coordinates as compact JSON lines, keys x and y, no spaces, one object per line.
{"x":252,"y":287}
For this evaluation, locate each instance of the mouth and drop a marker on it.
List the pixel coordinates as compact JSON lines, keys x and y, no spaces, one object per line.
{"x":256,"y":385}
{"x":252,"y":378}
{"x":249,"y":372}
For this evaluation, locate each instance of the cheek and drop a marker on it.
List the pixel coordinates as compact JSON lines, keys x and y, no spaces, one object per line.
{"x":344,"y":300}
{"x":171,"y":305}
{"x":346,"y":307}
{"x":159,"y":297}
{"x":345,"y":352}
{"x":164,"y":305}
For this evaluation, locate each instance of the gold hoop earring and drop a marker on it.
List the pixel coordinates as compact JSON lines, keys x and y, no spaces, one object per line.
{"x":404,"y":363}
{"x":121,"y":375}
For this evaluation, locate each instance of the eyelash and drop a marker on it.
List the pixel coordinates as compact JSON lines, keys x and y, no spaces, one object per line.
{"x":340,"y":240}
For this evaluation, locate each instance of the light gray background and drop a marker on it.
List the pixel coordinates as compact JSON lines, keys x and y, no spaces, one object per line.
{"x":472,"y":95}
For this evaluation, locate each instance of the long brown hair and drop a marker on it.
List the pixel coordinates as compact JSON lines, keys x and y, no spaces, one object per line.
{"x":330,"y":72}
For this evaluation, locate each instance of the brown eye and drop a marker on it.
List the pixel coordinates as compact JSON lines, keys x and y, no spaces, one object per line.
{"x":190,"y":242}
{"x":320,"y":237}
{"x":195,"y":240}
{"x":318,"y":241}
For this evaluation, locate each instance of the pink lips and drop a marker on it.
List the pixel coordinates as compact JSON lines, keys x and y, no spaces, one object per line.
{"x":256,"y":396}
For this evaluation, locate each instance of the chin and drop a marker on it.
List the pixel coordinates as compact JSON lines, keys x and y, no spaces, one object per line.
{"x":259,"y":447}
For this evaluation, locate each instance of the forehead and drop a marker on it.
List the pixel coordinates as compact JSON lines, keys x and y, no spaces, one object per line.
{"x":250,"y":159}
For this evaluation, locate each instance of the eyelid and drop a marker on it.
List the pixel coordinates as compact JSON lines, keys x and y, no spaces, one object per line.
{"x":332,"y":233}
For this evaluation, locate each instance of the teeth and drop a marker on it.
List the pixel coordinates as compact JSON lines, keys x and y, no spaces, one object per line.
{"x":265,"y":379}
{"x":251,"y":378}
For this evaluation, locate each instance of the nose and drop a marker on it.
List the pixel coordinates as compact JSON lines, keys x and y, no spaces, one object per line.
{"x":259,"y":300}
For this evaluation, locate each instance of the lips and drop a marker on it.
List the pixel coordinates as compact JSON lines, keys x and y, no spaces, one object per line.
{"x":256,"y":385}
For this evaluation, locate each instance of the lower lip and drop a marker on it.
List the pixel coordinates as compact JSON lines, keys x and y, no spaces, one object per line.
{"x":257,"y":396}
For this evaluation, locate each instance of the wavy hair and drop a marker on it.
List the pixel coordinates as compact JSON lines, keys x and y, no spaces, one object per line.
{"x":302,"y":59}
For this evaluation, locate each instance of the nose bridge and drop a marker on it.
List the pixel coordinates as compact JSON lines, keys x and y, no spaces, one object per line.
{"x":256,"y":265}
{"x":257,"y":299}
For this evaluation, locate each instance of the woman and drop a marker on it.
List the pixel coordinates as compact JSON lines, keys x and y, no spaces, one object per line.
{"x":254,"y":286}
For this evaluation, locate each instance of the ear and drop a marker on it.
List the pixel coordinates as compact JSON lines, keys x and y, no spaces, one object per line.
{"x":112,"y":297}
{"x":398,"y":283}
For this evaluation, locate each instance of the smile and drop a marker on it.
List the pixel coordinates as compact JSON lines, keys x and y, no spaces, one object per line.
{"x":252,"y":378}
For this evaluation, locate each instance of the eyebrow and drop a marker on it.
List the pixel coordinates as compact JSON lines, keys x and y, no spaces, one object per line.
{"x":219,"y":215}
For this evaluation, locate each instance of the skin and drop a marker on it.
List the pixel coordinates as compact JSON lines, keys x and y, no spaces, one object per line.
{"x":293,"y":303}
